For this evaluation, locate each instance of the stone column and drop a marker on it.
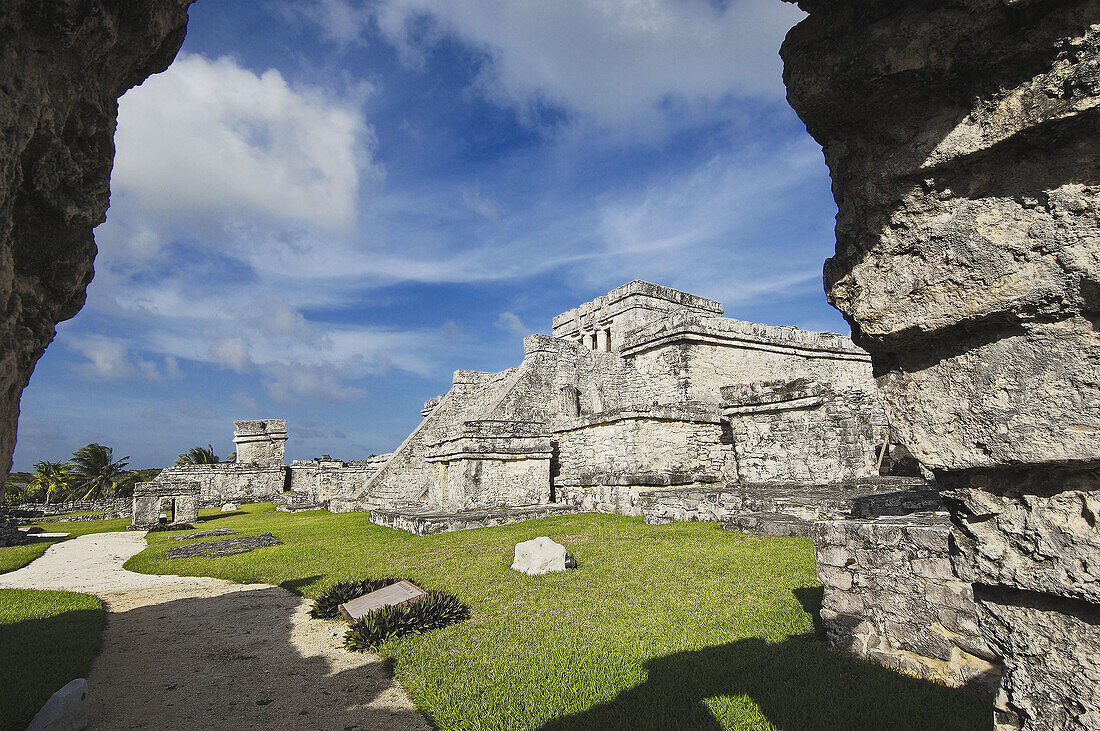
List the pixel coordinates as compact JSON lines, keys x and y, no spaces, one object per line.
{"x":590,"y":340}
{"x":963,"y":139}
{"x":603,"y":342}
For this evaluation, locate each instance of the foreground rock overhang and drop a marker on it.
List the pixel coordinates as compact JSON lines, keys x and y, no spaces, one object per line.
{"x":63,"y":66}
{"x":963,"y":139}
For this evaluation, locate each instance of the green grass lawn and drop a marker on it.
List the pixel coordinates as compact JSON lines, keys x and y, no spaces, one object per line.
{"x":16,"y":557}
{"x":47,"y":638}
{"x":679,"y":626}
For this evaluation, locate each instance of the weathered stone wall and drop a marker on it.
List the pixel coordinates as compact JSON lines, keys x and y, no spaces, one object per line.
{"x":229,"y":482}
{"x":691,"y":357}
{"x":603,"y":323}
{"x":492,"y":463}
{"x":682,"y":438}
{"x":62,"y":69}
{"x":891,"y":596}
{"x":325,"y":480}
{"x":32,"y":510}
{"x":260,"y":442}
{"x":799,"y":431}
{"x":963,"y":139}
{"x":150,"y":497}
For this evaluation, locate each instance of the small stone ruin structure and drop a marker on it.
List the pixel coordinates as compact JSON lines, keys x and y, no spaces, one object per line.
{"x":176,"y":498}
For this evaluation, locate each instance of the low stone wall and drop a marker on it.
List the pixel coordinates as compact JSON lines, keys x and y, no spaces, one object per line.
{"x":229,"y":482}
{"x":891,"y":596}
{"x":36,"y":510}
{"x":430,"y":523}
{"x":605,"y":492}
{"x":869,"y":497}
{"x":801,"y":430}
{"x":106,"y":515}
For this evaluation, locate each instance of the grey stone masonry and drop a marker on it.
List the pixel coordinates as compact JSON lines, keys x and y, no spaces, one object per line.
{"x":803,"y":431}
{"x":963,"y":143}
{"x":260,"y":442}
{"x":229,"y":481}
{"x":424,"y":523}
{"x":891,"y":596}
{"x":602,"y":323}
{"x":152,"y":498}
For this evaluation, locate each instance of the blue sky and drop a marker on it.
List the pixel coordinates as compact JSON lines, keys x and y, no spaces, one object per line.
{"x":324,"y":207}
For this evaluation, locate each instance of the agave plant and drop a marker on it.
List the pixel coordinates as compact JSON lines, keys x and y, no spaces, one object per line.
{"x":433,"y":611}
{"x":327,"y":606}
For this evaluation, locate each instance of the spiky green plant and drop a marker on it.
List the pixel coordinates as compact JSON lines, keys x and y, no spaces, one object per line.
{"x":327,"y":606}
{"x":95,"y":472}
{"x":436,"y":610}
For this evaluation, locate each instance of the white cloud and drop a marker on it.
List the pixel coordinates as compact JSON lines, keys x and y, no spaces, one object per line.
{"x":231,"y":352}
{"x":290,"y":383}
{"x":615,"y":61}
{"x":339,"y":20}
{"x":195,"y":407}
{"x":245,"y":403}
{"x":211,"y":136}
{"x":110,"y":359}
{"x":510,"y":322}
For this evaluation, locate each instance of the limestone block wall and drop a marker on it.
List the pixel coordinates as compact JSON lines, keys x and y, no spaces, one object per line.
{"x":260,"y":442}
{"x":325,"y":480}
{"x":491,"y":463}
{"x":30,"y":510}
{"x":891,"y":596}
{"x":229,"y":482}
{"x":962,"y":142}
{"x":643,"y":438}
{"x":799,"y":431}
{"x":693,"y":357}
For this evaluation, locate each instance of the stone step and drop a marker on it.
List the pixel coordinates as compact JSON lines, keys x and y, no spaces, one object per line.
{"x":776,"y":525}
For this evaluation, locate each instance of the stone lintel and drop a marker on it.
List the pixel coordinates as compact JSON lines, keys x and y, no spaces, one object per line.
{"x":588,"y":478}
{"x":166,"y":489}
{"x":807,"y":402}
{"x":691,"y":328}
{"x":693,"y":413}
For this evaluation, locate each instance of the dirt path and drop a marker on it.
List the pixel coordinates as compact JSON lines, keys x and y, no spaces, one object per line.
{"x":201,"y":653}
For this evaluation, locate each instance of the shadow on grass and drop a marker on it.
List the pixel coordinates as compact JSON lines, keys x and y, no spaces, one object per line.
{"x":218,"y":516}
{"x":41,"y":655}
{"x":294,"y":586}
{"x":797,"y":684}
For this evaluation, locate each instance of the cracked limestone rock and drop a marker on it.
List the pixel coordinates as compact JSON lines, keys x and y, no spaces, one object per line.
{"x":539,"y":556}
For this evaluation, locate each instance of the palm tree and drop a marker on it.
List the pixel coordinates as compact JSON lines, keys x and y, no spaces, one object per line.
{"x":96,"y":475}
{"x":198,"y":455}
{"x":50,"y":478}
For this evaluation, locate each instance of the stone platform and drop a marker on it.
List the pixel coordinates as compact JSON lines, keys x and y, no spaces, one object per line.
{"x":785,"y":509}
{"x":425,"y":523}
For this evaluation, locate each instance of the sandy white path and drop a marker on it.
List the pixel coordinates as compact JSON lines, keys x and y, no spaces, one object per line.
{"x":200,"y":653}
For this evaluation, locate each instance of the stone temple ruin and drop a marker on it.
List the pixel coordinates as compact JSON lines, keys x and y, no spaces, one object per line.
{"x":648,"y":402}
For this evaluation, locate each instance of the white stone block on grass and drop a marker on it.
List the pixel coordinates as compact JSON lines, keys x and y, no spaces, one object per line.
{"x":66,"y":710}
{"x":539,"y":556}
{"x":229,"y":507}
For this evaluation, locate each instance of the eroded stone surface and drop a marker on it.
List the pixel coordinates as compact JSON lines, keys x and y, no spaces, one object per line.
{"x":962,"y":139}
{"x":63,"y":65}
{"x":226,"y":547}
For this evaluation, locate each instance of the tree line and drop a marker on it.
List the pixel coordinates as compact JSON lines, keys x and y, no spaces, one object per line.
{"x":92,"y":473}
